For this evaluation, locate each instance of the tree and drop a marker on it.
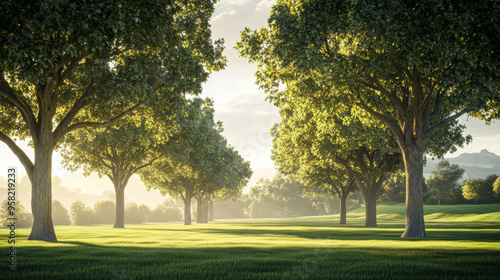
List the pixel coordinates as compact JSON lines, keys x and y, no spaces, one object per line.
{"x":476,"y":189}
{"x":166,"y":211}
{"x":117,"y":151}
{"x":105,"y":211}
{"x":136,"y":214}
{"x":72,"y":65}
{"x":197,"y":159}
{"x":319,"y":145}
{"x":60,"y":214}
{"x":81,"y":215}
{"x":279,"y":197}
{"x":496,"y":187}
{"x":442,"y":182}
{"x":9,"y":207}
{"x":396,"y":60}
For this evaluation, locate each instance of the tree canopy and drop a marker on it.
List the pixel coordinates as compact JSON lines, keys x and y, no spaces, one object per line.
{"x":196,"y":160}
{"x":413,"y":66}
{"x":442,"y":182}
{"x":70,"y":65}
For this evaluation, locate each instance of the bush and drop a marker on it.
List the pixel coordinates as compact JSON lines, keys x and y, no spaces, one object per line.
{"x":166,"y":211}
{"x":23,"y":217}
{"x":60,"y":215}
{"x":135,"y":214}
{"x":81,"y":215}
{"x":105,"y":211}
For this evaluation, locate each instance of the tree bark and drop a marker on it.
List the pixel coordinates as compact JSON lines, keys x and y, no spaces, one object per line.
{"x":439,"y":201}
{"x":343,"y":209}
{"x":371,"y":208}
{"x":199,"y":210}
{"x":204,"y":205}
{"x":187,"y":210}
{"x":120,"y":207}
{"x":413,"y":157}
{"x":41,"y":192}
{"x":211,"y":210}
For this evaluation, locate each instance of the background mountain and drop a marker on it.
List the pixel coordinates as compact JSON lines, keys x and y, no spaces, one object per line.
{"x":476,"y":165}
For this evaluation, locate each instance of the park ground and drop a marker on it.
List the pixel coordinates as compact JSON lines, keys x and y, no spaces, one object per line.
{"x":463,"y":243}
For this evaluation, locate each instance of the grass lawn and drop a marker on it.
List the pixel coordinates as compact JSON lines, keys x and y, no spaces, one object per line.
{"x":463,"y":243}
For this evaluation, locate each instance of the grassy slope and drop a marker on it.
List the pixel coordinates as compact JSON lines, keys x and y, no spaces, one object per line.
{"x":463,"y":243}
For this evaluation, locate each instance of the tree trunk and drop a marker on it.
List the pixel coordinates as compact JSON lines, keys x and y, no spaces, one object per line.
{"x":199,"y":210}
{"x":187,"y":210}
{"x":343,"y":209}
{"x":41,"y":192}
{"x":371,"y":209}
{"x":439,"y":201}
{"x":414,"y":166}
{"x":204,"y":205}
{"x":211,"y":210}
{"x":120,"y":207}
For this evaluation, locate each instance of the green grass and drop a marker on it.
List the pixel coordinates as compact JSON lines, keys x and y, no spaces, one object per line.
{"x":463,"y":243}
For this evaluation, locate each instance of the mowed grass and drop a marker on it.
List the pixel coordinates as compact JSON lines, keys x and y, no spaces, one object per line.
{"x":463,"y":243}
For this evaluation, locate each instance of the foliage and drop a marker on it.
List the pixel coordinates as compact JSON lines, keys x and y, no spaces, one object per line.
{"x":496,"y":187}
{"x":104,"y":211}
{"x":476,"y":189}
{"x":396,"y":60}
{"x":197,"y":160}
{"x":167,"y":211}
{"x":86,"y":64}
{"x":442,"y":182}
{"x":23,"y":217}
{"x":60,"y":214}
{"x":81,"y":215}
{"x":394,"y":188}
{"x":279,"y":197}
{"x":136,"y":214}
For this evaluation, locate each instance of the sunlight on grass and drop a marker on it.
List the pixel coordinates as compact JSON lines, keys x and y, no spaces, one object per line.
{"x":458,"y":244}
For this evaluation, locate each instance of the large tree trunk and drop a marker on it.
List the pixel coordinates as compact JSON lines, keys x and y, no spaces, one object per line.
{"x":343,"y":209}
{"x":204,"y":205}
{"x":41,"y":192}
{"x":414,"y":165}
{"x":199,"y":210}
{"x":120,"y":207}
{"x":371,"y":208}
{"x":211,"y":210}
{"x":187,"y":210}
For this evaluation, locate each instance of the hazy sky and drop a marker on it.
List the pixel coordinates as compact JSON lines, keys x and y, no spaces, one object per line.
{"x":239,"y":104}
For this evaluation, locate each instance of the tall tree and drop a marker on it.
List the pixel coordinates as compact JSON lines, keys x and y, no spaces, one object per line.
{"x":69,"y":65}
{"x":319,"y":144}
{"x":396,"y":60}
{"x":442,"y":182}
{"x":476,"y":189}
{"x":117,"y":152}
{"x":197,"y":159}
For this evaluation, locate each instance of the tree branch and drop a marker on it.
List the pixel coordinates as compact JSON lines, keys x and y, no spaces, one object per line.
{"x":383,"y":118}
{"x":398,"y":104}
{"x":63,"y":125}
{"x":435,"y":129}
{"x":7,"y":92}
{"x":103,"y":124}
{"x":21,"y":155}
{"x":144,"y":165}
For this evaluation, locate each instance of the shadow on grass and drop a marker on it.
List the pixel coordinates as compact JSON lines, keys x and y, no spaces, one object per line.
{"x":485,"y":232}
{"x":83,"y":260}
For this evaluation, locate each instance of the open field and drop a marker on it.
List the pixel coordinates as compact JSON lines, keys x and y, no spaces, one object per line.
{"x":463,"y":243}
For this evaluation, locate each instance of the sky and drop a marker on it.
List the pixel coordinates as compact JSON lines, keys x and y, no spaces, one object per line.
{"x":239,"y":104}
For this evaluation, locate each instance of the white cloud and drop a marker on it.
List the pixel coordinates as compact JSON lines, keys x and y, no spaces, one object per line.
{"x":265,"y":6}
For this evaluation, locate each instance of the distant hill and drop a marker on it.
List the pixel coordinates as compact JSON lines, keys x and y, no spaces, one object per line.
{"x":476,"y":165}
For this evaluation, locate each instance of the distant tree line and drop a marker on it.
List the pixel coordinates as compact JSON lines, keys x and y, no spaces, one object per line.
{"x":446,"y":186}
